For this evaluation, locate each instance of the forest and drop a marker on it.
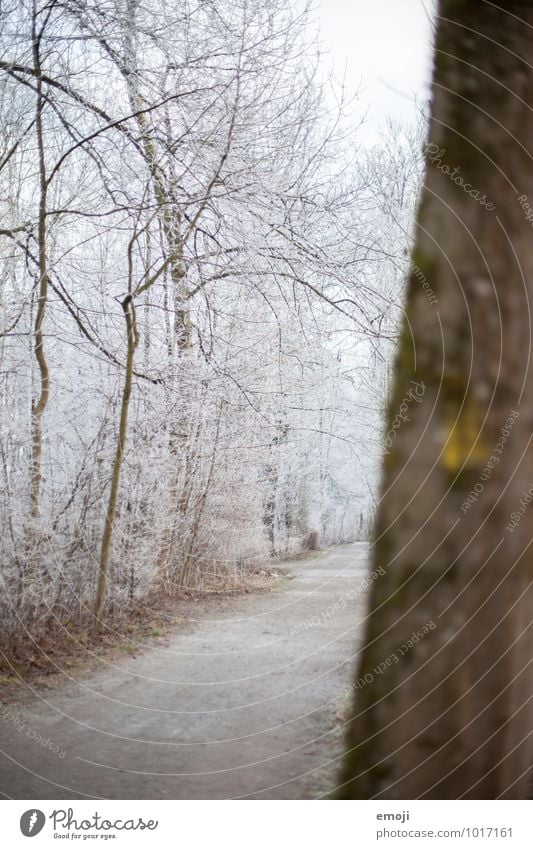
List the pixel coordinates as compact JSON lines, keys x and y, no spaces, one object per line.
{"x":201,"y":276}
{"x":266,"y":413}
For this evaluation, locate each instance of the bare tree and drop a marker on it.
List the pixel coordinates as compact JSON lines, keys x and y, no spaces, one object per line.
{"x":39,"y":21}
{"x":182,"y":282}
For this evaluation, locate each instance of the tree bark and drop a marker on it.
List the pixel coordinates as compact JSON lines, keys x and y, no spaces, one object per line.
{"x":132,"y":341}
{"x":39,"y":406}
{"x":447,"y":713}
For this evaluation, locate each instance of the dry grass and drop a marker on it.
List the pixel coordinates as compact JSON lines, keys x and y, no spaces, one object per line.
{"x":61,"y":650}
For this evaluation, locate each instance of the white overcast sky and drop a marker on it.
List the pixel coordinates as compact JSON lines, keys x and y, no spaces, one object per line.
{"x":385,"y":46}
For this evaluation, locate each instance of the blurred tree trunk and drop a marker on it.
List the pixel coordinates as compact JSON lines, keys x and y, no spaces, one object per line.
{"x":447,"y":713}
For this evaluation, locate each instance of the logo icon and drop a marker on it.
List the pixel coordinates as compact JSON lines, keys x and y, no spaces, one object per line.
{"x":32,"y":822}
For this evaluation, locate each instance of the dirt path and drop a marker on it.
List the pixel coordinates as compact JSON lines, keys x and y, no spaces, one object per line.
{"x":240,"y":703}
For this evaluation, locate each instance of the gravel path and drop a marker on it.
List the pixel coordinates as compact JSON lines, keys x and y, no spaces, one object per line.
{"x":241,"y":702}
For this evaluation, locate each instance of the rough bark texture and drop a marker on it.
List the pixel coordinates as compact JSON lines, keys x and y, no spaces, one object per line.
{"x":450,"y":716}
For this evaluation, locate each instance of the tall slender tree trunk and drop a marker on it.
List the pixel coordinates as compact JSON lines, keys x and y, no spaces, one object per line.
{"x":444,"y":686}
{"x":171,"y":225}
{"x":107,"y":536}
{"x":39,"y":405}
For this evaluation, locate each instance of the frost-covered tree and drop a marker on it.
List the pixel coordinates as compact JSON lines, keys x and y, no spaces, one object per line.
{"x":197,"y":271}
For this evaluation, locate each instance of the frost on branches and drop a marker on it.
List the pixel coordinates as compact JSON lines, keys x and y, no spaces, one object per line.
{"x":200,"y":283}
